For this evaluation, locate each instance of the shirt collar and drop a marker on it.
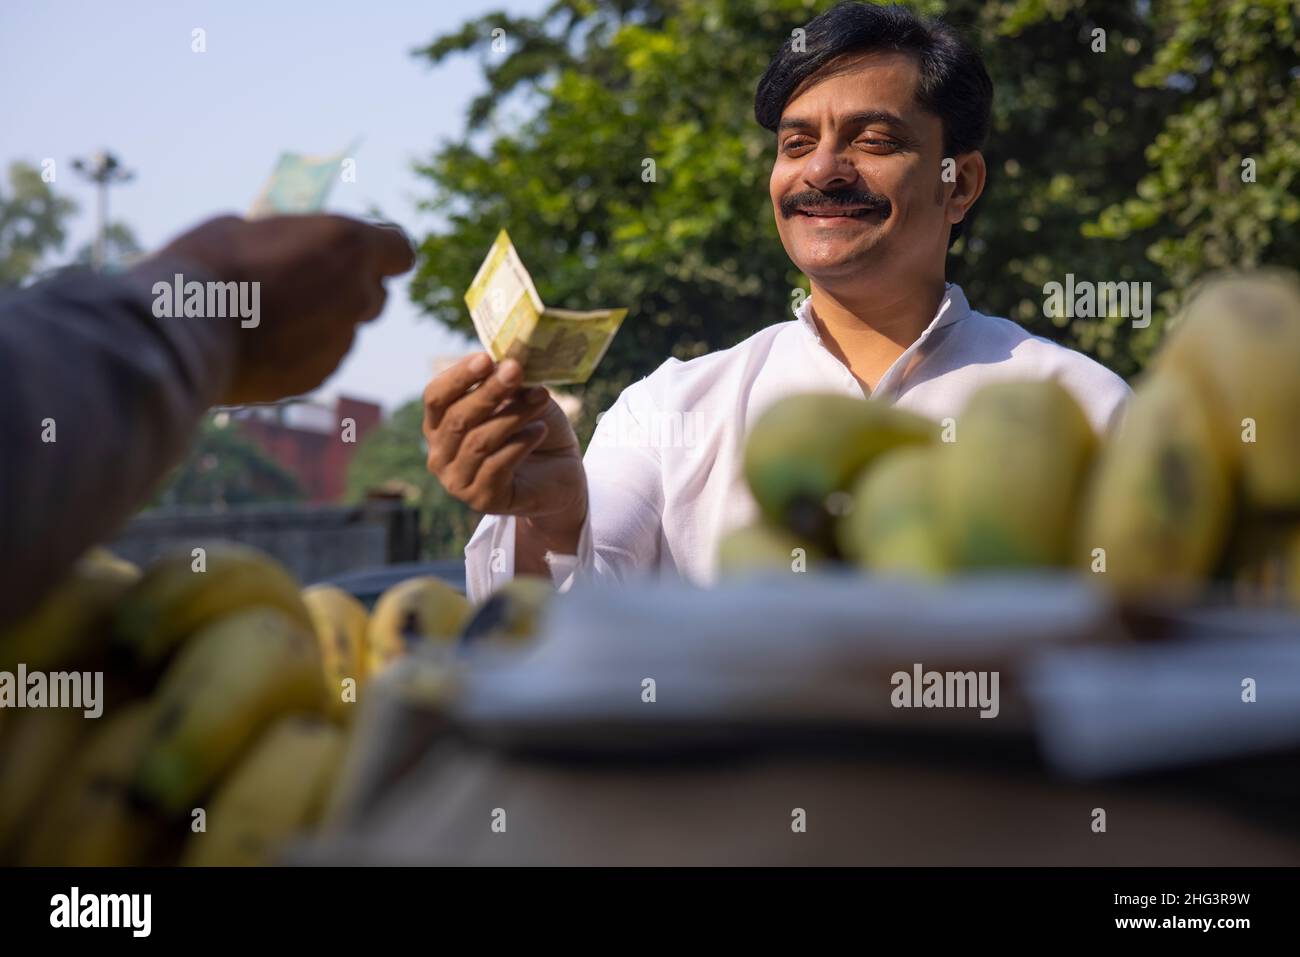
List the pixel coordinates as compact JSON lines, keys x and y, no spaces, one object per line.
{"x":952,"y":308}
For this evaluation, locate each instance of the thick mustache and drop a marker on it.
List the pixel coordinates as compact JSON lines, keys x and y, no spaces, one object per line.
{"x":844,"y":199}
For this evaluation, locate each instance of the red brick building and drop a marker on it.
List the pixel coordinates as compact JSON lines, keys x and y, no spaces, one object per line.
{"x":312,"y":440}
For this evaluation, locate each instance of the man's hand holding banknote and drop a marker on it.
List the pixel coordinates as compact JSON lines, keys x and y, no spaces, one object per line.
{"x":497,"y":440}
{"x":507,"y":449}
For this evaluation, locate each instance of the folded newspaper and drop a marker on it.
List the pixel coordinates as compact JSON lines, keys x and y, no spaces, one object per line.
{"x":555,"y":346}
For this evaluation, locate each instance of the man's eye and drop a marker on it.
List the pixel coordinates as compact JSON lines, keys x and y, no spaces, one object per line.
{"x":795,"y":145}
{"x":878,"y":145}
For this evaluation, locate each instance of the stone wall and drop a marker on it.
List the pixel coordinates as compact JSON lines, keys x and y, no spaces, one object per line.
{"x":313,"y":542}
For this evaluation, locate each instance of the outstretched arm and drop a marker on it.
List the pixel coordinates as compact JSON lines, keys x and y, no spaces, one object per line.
{"x":99,"y":396}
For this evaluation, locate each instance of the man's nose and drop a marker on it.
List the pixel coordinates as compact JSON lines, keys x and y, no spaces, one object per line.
{"x":828,"y":167}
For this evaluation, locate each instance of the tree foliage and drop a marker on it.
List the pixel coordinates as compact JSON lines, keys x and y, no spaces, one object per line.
{"x":120,"y":247}
{"x":1224,"y":169}
{"x":33,"y":223}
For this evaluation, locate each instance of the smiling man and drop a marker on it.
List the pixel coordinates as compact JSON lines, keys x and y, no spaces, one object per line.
{"x":879,"y":118}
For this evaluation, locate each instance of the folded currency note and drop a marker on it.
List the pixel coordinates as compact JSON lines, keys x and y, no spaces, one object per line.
{"x":555,"y":346}
{"x":299,"y":184}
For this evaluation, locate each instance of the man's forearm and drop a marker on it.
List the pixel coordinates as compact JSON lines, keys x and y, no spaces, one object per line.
{"x":100,"y":399}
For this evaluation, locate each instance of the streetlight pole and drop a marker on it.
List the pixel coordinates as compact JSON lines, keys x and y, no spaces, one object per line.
{"x":103,"y":169}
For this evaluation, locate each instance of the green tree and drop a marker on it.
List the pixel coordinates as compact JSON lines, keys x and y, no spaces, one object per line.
{"x":225,"y":467}
{"x":1225,"y":166}
{"x":391,"y":458}
{"x":1091,"y":157}
{"x":1069,"y":131}
{"x":33,"y":223}
{"x":120,"y":246}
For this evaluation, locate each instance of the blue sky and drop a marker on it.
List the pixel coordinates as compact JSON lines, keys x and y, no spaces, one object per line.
{"x":202,"y":130}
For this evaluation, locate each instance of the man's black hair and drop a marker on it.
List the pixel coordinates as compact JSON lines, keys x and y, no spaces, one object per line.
{"x":954,"y":84}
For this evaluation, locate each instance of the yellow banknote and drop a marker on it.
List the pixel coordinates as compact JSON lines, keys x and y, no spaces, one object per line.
{"x":555,"y":346}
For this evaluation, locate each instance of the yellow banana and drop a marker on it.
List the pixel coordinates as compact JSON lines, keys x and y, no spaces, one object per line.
{"x":39,"y":747}
{"x":1238,"y":340}
{"x":71,"y":623}
{"x":510,"y":614}
{"x":413,"y":611}
{"x":89,"y":819}
{"x":763,"y":547}
{"x":231,"y":679}
{"x":1158,"y":511}
{"x":806,"y":447}
{"x":1009,"y":484}
{"x":275,"y":793}
{"x":340,"y":622}
{"x":893,"y":525}
{"x":177,"y":596}
{"x":110,"y":562}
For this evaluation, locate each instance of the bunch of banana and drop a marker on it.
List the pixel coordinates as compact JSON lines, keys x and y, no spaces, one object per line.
{"x":411,"y":613}
{"x":71,"y":623}
{"x":1209,"y":449}
{"x":68,"y":631}
{"x":228,"y":682}
{"x":806,"y":448}
{"x":406,"y":708}
{"x":41,"y":743}
{"x":416,"y":678}
{"x":180,"y":594}
{"x":91,"y":819}
{"x":230,"y":648}
{"x":340,"y":623}
{"x":275,"y":793}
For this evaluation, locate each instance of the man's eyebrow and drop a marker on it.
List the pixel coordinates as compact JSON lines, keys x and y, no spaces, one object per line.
{"x":861,"y":118}
{"x":884,"y":117}
{"x":795,"y":123}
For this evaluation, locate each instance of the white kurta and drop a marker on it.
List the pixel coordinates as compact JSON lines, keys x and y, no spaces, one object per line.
{"x":664,"y":464}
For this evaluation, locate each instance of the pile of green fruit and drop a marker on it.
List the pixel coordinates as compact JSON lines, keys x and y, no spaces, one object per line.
{"x":228,"y":696}
{"x":1199,"y":484}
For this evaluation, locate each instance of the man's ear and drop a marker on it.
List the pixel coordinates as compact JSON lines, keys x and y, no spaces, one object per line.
{"x":965,"y":184}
